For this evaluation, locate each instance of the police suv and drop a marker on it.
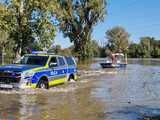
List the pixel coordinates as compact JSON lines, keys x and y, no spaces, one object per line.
{"x":38,"y":70}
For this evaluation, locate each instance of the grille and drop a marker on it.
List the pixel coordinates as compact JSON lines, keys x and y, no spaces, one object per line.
{"x":7,"y":80}
{"x":8,"y":77}
{"x":9,"y":74}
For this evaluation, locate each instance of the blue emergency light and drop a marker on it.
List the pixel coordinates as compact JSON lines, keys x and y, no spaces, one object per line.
{"x":39,"y":52}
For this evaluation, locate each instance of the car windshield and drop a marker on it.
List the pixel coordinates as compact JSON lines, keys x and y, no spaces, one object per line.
{"x":33,"y":60}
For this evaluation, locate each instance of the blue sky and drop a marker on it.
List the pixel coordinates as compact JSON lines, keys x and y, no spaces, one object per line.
{"x":139,"y":18}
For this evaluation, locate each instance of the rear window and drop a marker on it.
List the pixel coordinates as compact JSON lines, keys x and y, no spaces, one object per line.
{"x":70,"y":61}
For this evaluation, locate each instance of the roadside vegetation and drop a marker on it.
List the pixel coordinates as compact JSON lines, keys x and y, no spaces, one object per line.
{"x":27,"y":25}
{"x":118,"y":40}
{"x":32,"y":24}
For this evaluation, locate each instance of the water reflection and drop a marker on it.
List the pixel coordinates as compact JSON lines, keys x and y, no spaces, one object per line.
{"x":54,"y":106}
{"x":9,"y":107}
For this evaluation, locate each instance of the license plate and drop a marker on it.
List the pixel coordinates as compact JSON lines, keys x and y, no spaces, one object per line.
{"x":6,"y":86}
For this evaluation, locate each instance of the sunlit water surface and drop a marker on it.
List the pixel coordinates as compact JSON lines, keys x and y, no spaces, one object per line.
{"x":100,"y":94}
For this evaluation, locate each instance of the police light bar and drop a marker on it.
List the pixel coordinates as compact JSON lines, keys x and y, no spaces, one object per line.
{"x":39,"y":52}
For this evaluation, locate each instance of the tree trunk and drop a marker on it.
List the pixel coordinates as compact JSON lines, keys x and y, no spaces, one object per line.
{"x":85,"y":49}
{"x":3,"y":53}
{"x":18,"y":52}
{"x":82,"y":46}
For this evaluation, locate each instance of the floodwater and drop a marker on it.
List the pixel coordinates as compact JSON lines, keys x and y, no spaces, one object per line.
{"x":100,"y":94}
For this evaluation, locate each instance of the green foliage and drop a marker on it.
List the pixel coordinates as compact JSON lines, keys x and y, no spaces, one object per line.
{"x":147,"y":48}
{"x":31,"y":24}
{"x":134,"y":50}
{"x":6,"y":47}
{"x":3,"y":38}
{"x":77,"y":22}
{"x":95,"y":49}
{"x":102,"y":51}
{"x":28,"y":22}
{"x":5,"y":17}
{"x":118,"y":39}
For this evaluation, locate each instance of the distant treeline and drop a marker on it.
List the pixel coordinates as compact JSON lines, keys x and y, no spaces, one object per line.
{"x":148,"y":47}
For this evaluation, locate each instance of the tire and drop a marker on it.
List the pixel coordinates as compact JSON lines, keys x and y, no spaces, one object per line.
{"x":43,"y":84}
{"x":71,"y":78}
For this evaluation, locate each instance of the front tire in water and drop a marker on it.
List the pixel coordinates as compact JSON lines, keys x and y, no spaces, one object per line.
{"x":71,"y":78}
{"x":43,"y":84}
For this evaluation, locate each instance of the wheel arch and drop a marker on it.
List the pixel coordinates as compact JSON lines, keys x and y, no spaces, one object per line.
{"x":44,"y":77}
{"x":72,"y":76}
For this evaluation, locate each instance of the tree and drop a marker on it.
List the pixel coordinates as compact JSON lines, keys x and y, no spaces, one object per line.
{"x":118,"y":39}
{"x":5,"y":28}
{"x":3,"y":42}
{"x":102,"y":51}
{"x":145,"y":47}
{"x":5,"y":17}
{"x":95,"y":48}
{"x":134,"y":50}
{"x":149,"y":47}
{"x":31,"y":22}
{"x":156,"y":50}
{"x":77,"y":22}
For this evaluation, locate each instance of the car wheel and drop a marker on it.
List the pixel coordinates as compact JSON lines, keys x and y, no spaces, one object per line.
{"x":43,"y":84}
{"x":71,"y":78}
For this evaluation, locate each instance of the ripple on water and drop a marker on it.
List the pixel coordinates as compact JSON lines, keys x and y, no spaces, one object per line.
{"x":39,"y":91}
{"x":68,"y":87}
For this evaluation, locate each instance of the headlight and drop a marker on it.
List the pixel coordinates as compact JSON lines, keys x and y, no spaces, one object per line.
{"x":27,"y":74}
{"x":26,"y":78}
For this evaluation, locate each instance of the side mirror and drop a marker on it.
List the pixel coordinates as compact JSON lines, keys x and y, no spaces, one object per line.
{"x":53,"y":65}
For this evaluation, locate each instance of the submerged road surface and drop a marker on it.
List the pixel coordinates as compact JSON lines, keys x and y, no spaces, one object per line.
{"x":101,"y":94}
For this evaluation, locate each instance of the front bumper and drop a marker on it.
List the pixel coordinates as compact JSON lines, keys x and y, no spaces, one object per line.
{"x":16,"y":86}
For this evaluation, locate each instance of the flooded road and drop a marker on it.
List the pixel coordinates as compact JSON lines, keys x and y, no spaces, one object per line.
{"x":101,"y":94}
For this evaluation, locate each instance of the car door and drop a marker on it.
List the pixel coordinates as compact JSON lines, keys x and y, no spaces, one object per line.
{"x":57,"y":73}
{"x":53,"y":65}
{"x":62,"y":68}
